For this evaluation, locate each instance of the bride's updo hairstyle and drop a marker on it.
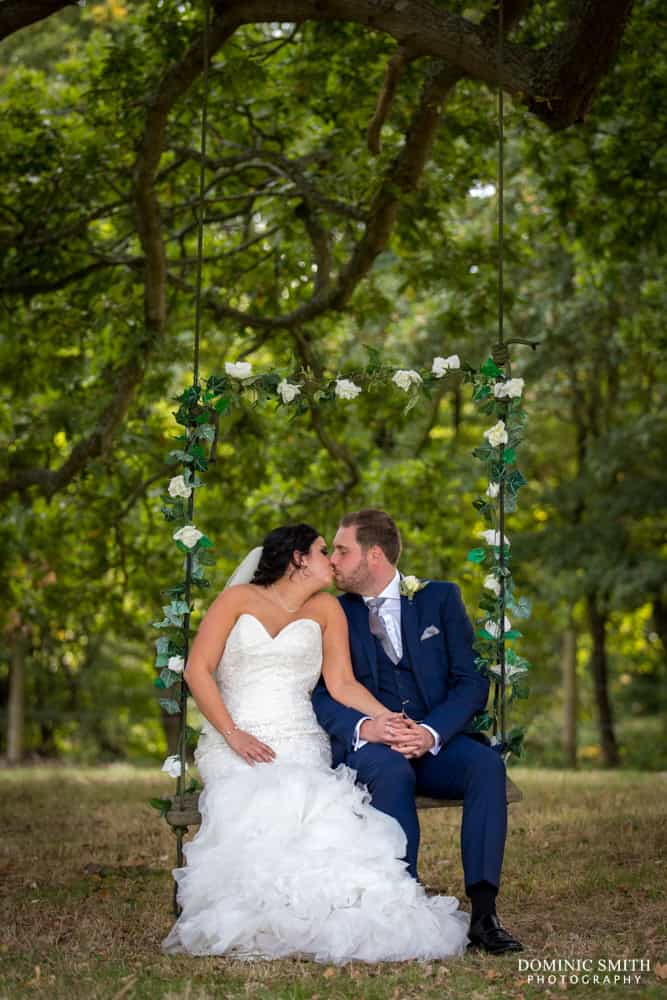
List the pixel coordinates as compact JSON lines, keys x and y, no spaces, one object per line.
{"x":278,"y":550}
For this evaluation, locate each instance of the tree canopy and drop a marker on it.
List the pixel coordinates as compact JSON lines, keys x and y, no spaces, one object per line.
{"x":350,"y":179}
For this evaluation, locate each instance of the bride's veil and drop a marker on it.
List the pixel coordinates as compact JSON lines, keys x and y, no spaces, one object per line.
{"x":245,"y":570}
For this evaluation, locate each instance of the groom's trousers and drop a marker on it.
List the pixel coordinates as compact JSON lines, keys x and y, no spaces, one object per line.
{"x":463,"y":769}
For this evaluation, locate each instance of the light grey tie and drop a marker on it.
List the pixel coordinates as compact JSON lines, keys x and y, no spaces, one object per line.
{"x":378,"y":627}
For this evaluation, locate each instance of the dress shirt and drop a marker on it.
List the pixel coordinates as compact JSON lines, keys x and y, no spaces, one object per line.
{"x":390,"y":613}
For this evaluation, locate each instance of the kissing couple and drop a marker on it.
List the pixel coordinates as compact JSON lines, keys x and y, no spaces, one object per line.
{"x":325,"y":717}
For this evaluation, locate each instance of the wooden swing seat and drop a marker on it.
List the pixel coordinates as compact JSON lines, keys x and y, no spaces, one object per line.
{"x":184,"y":812}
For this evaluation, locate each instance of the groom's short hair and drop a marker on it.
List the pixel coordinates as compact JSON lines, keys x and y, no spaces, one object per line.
{"x":375,"y":527}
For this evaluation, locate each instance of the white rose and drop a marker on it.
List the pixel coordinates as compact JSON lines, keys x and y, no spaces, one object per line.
{"x":189,"y":535}
{"x":346,"y":389}
{"x":288,"y":391}
{"x":441,"y":366}
{"x":512,"y":388}
{"x":410,"y":585}
{"x":404,"y":378}
{"x":238,"y":369}
{"x":176,"y":663}
{"x":179,"y":488}
{"x":497,"y":434}
{"x":493,"y":628}
{"x":492,"y":584}
{"x":172,"y":766}
{"x":492,"y":537}
{"x":493,"y":490}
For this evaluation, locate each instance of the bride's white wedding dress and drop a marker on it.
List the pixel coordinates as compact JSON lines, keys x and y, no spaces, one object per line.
{"x":290,"y":857}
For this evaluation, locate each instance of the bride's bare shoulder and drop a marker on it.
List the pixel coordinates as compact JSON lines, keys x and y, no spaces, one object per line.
{"x":234,"y":597}
{"x":324,"y":603}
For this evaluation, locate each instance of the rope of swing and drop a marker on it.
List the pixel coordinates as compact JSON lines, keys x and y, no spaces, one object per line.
{"x":183,"y":699}
{"x":501,"y":358}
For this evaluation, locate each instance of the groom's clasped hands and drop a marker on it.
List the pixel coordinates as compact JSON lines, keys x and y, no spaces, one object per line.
{"x":398,"y":732}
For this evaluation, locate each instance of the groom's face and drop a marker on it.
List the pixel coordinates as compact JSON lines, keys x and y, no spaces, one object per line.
{"x":350,"y":562}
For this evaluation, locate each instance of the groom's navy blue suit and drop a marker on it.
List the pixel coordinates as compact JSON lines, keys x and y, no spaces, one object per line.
{"x":438,"y":679}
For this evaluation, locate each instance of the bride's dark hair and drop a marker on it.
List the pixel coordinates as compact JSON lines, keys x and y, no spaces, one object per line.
{"x":278,"y":550}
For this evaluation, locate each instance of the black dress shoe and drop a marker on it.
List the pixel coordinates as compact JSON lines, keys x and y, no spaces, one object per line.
{"x":489,"y":934}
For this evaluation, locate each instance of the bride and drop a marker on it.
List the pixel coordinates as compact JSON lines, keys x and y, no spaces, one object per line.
{"x":291,"y":858}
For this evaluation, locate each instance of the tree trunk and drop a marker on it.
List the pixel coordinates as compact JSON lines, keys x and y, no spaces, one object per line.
{"x":16,"y":700}
{"x":660,"y":620}
{"x":599,"y":668}
{"x":570,"y":694}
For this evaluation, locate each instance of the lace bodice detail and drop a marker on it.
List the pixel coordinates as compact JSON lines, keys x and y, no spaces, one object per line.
{"x":266,"y":683}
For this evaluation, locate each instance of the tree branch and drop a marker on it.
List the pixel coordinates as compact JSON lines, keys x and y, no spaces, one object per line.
{"x":335,"y":448}
{"x":401,"y":178}
{"x":17,"y":14}
{"x":558,"y":81}
{"x":393,"y":74}
{"x":174,"y":84}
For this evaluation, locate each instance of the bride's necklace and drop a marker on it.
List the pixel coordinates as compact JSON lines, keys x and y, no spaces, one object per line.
{"x":281,"y":602}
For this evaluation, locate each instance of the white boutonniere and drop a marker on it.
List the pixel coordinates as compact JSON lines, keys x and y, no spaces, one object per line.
{"x":410,"y":585}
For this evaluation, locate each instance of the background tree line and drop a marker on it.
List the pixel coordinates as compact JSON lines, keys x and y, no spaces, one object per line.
{"x":350,"y":202}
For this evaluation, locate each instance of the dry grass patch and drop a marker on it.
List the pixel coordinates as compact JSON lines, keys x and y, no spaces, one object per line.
{"x":85,"y":866}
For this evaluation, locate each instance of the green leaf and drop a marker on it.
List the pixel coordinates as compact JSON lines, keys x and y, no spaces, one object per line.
{"x":490,"y":368}
{"x":159,"y":683}
{"x":165,"y":623}
{"x":206,"y":431}
{"x":522,"y":608}
{"x":170,"y":706}
{"x":481,"y":392}
{"x":513,"y":634}
{"x":206,"y":558}
{"x":169,"y":677}
{"x":482,"y":721}
{"x":204,"y":543}
{"x":411,"y":403}
{"x":515,"y":481}
{"x":508,"y":456}
{"x":482,"y":505}
{"x":162,"y":805}
{"x":476,"y":555}
{"x":191,"y":736}
{"x":515,"y":741}
{"x":481,"y":633}
{"x":179,"y":456}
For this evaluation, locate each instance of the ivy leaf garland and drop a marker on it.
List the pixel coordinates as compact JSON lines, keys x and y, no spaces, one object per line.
{"x":199,"y":411}
{"x":499,"y":398}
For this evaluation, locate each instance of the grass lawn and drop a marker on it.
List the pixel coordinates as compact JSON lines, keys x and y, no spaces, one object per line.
{"x":85,"y":868}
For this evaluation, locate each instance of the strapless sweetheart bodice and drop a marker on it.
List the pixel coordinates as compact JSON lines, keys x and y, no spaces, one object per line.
{"x":266,"y":682}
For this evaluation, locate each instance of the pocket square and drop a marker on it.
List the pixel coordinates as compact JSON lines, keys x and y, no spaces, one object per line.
{"x":429,"y":632}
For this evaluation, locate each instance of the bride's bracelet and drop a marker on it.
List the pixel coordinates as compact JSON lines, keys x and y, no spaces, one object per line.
{"x":228,"y":732}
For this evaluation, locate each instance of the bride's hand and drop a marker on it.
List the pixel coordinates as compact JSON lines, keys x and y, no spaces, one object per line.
{"x":387,"y":727}
{"x":249,"y":747}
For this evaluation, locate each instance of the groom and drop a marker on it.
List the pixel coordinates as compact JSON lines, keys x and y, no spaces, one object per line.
{"x":415,"y":654}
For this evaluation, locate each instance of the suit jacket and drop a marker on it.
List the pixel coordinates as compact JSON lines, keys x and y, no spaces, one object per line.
{"x":443,"y":664}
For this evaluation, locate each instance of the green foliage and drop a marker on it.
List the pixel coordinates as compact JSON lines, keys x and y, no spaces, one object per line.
{"x":585,"y":243}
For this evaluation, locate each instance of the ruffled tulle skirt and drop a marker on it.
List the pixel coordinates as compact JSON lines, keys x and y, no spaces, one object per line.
{"x":293,"y":860}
